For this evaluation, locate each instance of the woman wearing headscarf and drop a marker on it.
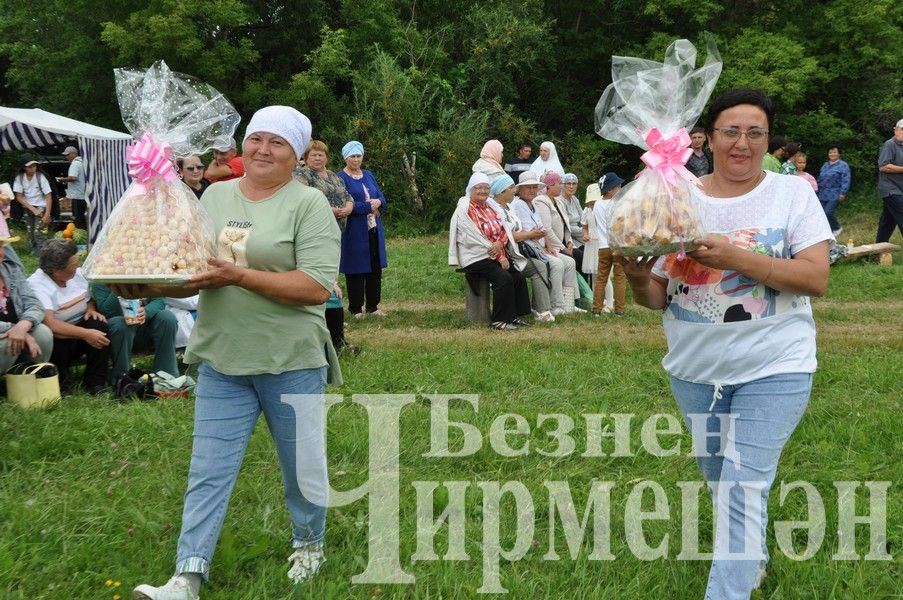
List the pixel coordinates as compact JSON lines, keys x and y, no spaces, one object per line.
{"x":547,"y":161}
{"x":315,"y":174}
{"x":490,"y":160}
{"x":559,"y":235}
{"x":483,"y":245}
{"x":363,"y":241}
{"x":561,"y":268}
{"x":501,"y":193}
{"x":262,"y":344}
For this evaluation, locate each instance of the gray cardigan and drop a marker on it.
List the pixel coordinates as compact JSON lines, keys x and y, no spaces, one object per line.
{"x":27,"y":304}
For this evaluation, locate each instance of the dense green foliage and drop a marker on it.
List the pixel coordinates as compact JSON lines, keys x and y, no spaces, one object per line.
{"x":439,"y":78}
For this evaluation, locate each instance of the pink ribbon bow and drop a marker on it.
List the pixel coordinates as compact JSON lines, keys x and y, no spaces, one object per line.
{"x":148,"y":159}
{"x":668,"y":157}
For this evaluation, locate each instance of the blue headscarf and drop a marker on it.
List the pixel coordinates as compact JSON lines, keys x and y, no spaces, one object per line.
{"x":351,"y":148}
{"x":500,"y":184}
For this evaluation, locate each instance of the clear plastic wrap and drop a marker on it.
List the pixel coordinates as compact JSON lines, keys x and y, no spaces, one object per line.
{"x":159,"y":232}
{"x":650,"y":105}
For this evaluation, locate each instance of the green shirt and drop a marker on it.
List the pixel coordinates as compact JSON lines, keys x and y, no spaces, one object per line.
{"x":239,"y":332}
{"x":771,"y":163}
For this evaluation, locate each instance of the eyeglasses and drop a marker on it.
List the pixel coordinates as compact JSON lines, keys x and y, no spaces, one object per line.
{"x":480,"y":188}
{"x":193,"y":167}
{"x":753,"y":136}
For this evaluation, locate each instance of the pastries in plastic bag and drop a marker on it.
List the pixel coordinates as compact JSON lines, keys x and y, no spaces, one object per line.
{"x":159,"y":232}
{"x":160,"y":235}
{"x":648,"y":219}
{"x":650,"y":105}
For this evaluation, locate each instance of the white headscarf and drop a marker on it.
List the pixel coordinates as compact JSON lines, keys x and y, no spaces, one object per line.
{"x":541,"y":166}
{"x":284,"y":121}
{"x":475,"y":179}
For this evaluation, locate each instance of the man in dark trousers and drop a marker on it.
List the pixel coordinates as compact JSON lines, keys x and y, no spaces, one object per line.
{"x":890,"y":185}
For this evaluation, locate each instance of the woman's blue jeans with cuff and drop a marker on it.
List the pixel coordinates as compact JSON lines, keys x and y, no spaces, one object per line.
{"x":758,"y":418}
{"x":226,"y":410}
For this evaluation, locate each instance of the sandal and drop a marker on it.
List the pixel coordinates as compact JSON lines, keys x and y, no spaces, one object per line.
{"x":520,"y":322}
{"x":502,"y":326}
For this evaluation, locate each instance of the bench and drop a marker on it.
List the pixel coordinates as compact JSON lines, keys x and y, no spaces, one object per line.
{"x":883,"y":250}
{"x":477,"y":300}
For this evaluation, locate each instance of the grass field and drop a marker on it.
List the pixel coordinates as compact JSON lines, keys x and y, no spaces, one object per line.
{"x":91,"y":491}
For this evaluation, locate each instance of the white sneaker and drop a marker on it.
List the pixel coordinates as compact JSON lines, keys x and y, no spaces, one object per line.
{"x":577,"y":309}
{"x":177,"y":588}
{"x":837,"y":232}
{"x":305,"y":563}
{"x":546,"y":317}
{"x":558,"y":311}
{"x":760,"y":577}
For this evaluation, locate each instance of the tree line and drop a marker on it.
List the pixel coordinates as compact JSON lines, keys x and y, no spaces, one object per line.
{"x":436,"y":79}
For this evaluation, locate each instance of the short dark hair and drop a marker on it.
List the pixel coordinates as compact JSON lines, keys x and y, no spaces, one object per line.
{"x":791,"y":149}
{"x":525,"y":145}
{"x":776,"y":143}
{"x":697,"y":129}
{"x":55,"y":255}
{"x":735,"y":97}
{"x":834,"y":147}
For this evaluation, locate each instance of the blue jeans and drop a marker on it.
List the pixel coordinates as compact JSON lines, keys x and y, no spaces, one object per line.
{"x":758,"y":418}
{"x":226,"y":410}
{"x":830,"y":207}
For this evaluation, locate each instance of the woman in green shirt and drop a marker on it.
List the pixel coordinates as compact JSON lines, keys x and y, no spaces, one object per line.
{"x":262,"y":344}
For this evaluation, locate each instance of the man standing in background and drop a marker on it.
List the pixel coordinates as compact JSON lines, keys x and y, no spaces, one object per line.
{"x":226,"y":164}
{"x":890,"y":185}
{"x":75,"y":186}
{"x":700,"y":162}
{"x":521,"y":162}
{"x":775,"y":156}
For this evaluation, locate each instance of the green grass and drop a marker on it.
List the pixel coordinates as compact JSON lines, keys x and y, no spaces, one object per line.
{"x":92,"y":490}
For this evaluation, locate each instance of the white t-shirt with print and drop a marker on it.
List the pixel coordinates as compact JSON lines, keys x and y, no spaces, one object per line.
{"x":725,"y":328}
{"x":67,"y":303}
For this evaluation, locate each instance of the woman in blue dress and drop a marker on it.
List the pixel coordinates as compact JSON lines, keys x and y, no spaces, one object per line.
{"x":363,"y":241}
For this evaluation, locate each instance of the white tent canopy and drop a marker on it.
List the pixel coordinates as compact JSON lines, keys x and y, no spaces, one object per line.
{"x":102,"y":150}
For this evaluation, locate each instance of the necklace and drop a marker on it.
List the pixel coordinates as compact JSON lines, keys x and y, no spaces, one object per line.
{"x":714,"y":188}
{"x":358,"y":175}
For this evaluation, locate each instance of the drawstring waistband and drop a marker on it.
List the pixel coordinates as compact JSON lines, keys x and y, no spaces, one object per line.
{"x":716,"y":396}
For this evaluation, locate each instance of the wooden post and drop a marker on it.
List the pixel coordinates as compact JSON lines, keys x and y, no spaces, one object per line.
{"x":477,"y":299}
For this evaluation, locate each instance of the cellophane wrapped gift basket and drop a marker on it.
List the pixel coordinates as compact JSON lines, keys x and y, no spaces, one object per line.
{"x":650,"y":105}
{"x":158,"y":232}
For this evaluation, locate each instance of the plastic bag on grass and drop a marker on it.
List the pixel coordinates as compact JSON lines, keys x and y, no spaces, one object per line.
{"x":650,"y":105}
{"x":159,"y":232}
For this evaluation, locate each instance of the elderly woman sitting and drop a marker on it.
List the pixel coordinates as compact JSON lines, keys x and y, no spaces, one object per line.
{"x":559,"y":236}
{"x":70,"y":313}
{"x":537,"y":267}
{"x":22,"y":336}
{"x":483,"y":245}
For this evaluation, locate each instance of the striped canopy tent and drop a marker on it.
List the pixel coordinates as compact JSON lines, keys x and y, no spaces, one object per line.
{"x":102,"y":150}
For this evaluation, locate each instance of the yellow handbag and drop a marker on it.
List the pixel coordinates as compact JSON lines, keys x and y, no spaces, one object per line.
{"x":33,"y":386}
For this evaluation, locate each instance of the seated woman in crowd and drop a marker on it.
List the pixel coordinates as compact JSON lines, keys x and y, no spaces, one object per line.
{"x":559,"y":235}
{"x":490,"y":161}
{"x":561,"y":268}
{"x":191,"y":170}
{"x":23,"y":337}
{"x":153,"y":327}
{"x":537,"y":268}
{"x":70,"y":313}
{"x":483,"y":245}
{"x":570,"y":206}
